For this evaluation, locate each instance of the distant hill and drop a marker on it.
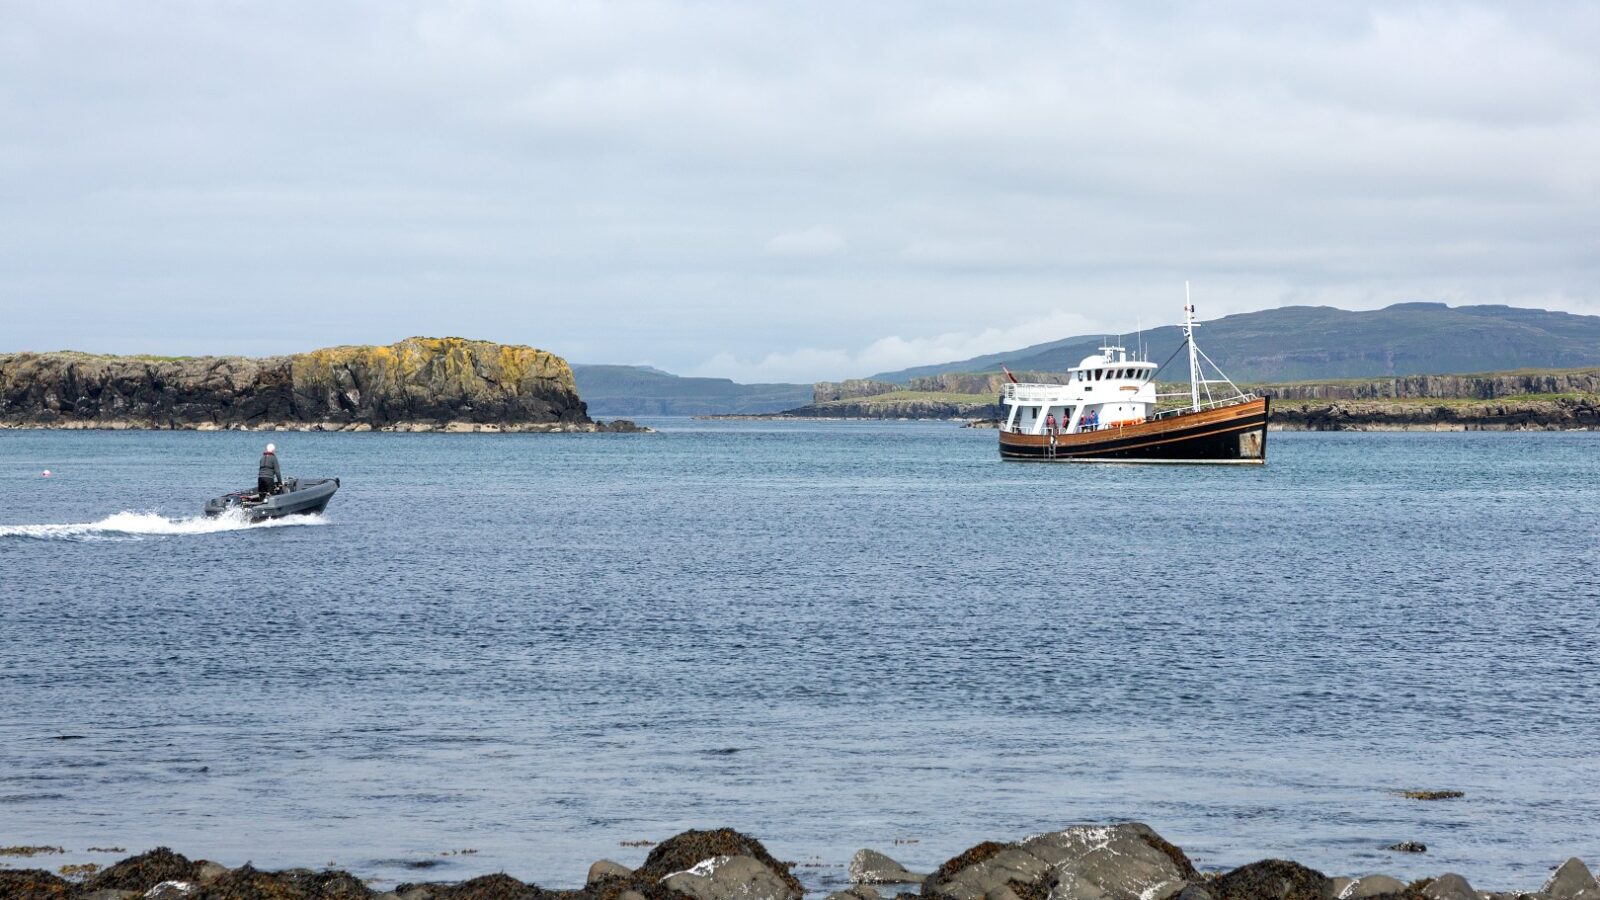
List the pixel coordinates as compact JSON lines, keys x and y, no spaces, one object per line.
{"x":1300,"y":343}
{"x":646,"y":391}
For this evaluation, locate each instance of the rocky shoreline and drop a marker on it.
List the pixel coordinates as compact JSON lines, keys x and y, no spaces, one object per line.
{"x":595,"y":426}
{"x":1128,"y":861}
{"x":419,"y":384}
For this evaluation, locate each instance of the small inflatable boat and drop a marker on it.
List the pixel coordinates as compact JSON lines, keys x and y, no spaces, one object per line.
{"x":297,"y":497}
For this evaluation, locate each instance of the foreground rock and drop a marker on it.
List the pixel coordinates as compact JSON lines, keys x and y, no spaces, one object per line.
{"x":1449,"y":886}
{"x":1117,"y":862}
{"x":143,"y":872}
{"x":1572,"y":881}
{"x":872,"y":867}
{"x":1272,"y":879}
{"x":416,"y":384}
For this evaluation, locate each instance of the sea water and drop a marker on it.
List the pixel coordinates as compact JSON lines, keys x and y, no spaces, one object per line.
{"x":545,"y":648}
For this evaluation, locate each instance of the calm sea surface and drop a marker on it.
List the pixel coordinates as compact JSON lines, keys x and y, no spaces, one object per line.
{"x":829,"y":635}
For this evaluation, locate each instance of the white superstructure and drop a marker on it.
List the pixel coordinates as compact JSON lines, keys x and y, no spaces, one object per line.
{"x":1112,"y":390}
{"x":1106,"y":390}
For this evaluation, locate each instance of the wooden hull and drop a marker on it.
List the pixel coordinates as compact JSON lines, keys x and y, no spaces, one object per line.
{"x":1230,"y":434}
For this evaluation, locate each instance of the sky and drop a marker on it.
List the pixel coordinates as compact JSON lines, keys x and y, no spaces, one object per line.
{"x":777,"y":191}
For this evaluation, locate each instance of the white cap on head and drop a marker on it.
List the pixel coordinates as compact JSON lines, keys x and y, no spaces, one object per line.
{"x":272,"y":448}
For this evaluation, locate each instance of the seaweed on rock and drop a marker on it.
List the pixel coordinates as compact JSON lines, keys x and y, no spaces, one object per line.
{"x":686,"y":850}
{"x":250,"y":883}
{"x":1271,"y":879}
{"x":32,"y":884}
{"x":145,"y":871}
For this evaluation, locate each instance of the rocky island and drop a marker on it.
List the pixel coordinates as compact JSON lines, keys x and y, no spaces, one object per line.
{"x":1129,"y":861}
{"x":418,"y":384}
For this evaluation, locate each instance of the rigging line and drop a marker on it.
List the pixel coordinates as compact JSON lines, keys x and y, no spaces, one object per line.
{"x":1158,"y":369}
{"x":1220,"y":372}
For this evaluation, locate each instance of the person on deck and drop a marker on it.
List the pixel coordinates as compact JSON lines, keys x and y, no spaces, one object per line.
{"x":269,"y":477}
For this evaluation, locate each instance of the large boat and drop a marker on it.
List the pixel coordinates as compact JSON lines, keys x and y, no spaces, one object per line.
{"x":1109,"y":411}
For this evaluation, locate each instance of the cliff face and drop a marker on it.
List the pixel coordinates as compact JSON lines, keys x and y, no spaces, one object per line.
{"x":1563,"y":414}
{"x":419,"y":382}
{"x":1481,"y":387}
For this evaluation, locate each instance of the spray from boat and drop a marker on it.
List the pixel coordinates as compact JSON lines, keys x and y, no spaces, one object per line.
{"x":137,"y":526}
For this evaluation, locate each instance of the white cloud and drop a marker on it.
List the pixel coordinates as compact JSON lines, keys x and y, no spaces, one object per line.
{"x":651,"y":178}
{"x":890,"y":353}
{"x":811,"y":242}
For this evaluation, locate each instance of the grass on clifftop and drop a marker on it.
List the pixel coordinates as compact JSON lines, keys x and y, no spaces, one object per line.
{"x":913,"y":397}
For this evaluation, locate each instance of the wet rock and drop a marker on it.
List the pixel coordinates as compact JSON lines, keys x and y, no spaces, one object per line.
{"x":1372,"y":886}
{"x":32,"y":884}
{"x":872,"y":867}
{"x":109,"y":894}
{"x":1570,"y":880}
{"x":982,"y":869}
{"x":1117,"y":862}
{"x":207,"y":871}
{"x":170,"y":890}
{"x":145,"y":871}
{"x":1408,"y":847}
{"x":856,"y":892}
{"x":1449,"y":886}
{"x":498,"y":886}
{"x":1272,"y":879}
{"x":625,"y":426}
{"x":1434,"y":795}
{"x":1194,"y":892}
{"x":1339,"y":884}
{"x":687,"y":850}
{"x":731,"y":878}
{"x":605,"y":868}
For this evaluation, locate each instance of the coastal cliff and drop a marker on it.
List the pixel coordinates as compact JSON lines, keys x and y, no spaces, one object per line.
{"x":418,"y":384}
{"x":1551,"y":400}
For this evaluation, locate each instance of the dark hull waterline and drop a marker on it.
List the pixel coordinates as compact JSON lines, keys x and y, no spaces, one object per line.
{"x":1227,"y":435}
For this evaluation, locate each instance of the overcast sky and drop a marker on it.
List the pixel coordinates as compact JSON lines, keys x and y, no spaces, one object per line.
{"x":777,"y":191}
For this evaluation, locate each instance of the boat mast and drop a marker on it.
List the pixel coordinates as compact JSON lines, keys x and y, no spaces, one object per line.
{"x":1194,"y":357}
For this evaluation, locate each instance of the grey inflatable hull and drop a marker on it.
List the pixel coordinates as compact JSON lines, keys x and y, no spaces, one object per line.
{"x":299,"y":497}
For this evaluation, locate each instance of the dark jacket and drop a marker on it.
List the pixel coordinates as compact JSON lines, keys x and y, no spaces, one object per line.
{"x":269,"y":468}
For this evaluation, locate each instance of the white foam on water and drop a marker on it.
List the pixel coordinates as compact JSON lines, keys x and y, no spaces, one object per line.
{"x":135,"y":526}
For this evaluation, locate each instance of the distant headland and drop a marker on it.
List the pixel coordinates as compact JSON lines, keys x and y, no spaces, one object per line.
{"x":418,"y":384}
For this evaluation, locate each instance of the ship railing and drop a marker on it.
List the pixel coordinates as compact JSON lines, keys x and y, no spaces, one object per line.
{"x":1025,"y":392}
{"x":1241,"y":397}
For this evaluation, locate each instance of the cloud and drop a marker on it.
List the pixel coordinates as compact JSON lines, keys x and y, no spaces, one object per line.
{"x":890,"y":353}
{"x":649,"y":179}
{"x":811,"y":242}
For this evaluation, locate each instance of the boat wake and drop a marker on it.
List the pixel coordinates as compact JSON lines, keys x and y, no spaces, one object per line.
{"x":137,"y":526}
